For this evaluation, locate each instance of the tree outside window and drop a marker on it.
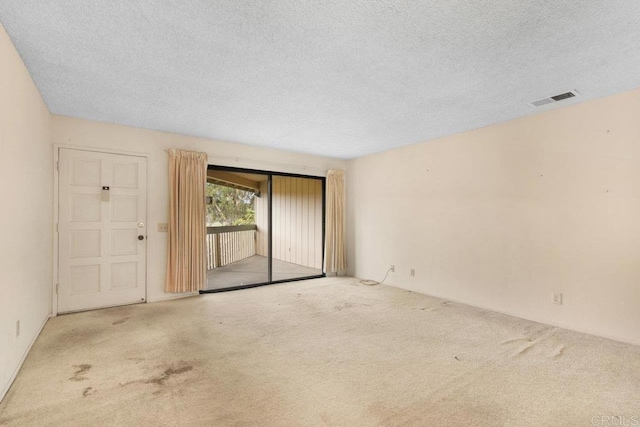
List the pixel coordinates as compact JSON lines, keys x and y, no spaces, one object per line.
{"x":230,"y":206}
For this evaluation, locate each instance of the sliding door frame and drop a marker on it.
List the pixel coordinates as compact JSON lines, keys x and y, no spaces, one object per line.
{"x":270,"y":175}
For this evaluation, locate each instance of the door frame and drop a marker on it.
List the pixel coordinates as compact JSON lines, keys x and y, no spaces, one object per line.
{"x":56,"y":204}
{"x":271,"y":174}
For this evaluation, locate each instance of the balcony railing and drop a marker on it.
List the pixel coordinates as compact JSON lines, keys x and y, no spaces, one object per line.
{"x":230,"y":244}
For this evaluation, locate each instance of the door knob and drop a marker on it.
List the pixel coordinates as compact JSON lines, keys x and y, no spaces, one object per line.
{"x":140,"y":237}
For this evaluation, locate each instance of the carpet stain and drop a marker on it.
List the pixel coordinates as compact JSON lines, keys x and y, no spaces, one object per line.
{"x":74,"y":338}
{"x":168,"y":373}
{"x":79,"y":375}
{"x":121,"y":321}
{"x":559,"y":351}
{"x":382,"y":412}
{"x":342,"y":307}
{"x":427,"y":308}
{"x":88,"y":391}
{"x":326,"y":419}
{"x":160,"y":380}
{"x":6,"y":421}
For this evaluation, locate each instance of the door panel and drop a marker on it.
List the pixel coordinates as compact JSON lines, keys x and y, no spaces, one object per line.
{"x":297,"y":227}
{"x":102,"y":262}
{"x":237,"y":230}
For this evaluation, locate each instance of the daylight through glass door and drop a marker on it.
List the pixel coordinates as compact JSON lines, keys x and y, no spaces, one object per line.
{"x":262,"y":227}
{"x":236,"y":253}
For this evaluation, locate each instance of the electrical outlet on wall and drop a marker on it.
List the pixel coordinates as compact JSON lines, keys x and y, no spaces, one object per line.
{"x":163,"y":227}
{"x":413,"y":272}
{"x":557,"y":298}
{"x":392,"y":268}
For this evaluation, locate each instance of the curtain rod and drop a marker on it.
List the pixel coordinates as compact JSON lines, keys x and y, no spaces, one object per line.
{"x":263,"y":162}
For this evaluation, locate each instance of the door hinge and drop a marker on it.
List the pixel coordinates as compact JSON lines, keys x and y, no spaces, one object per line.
{"x":58,"y":166}
{"x":57,"y":225}
{"x":57,"y":288}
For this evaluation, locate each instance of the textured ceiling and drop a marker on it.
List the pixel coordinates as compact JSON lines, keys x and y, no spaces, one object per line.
{"x":342,"y":78}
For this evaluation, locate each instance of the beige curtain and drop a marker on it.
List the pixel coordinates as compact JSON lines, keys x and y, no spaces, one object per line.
{"x":335,"y":259}
{"x":186,"y":267}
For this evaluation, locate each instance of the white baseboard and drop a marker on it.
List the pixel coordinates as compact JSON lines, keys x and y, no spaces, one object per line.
{"x":5,"y":390}
{"x":536,"y":319}
{"x":167,"y":297}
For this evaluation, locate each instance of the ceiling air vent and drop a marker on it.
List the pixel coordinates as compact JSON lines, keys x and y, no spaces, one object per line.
{"x":555,"y":98}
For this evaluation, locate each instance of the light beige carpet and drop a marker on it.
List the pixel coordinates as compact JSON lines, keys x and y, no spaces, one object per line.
{"x":321,"y":352}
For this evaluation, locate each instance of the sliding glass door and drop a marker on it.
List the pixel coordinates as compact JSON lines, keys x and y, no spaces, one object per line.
{"x":262,"y":227}
{"x":236,"y":251}
{"x":297,"y":227}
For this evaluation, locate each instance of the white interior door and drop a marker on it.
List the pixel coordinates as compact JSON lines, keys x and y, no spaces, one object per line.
{"x":101,"y":230}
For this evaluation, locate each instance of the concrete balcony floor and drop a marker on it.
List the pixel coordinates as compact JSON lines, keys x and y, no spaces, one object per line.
{"x":254,"y":270}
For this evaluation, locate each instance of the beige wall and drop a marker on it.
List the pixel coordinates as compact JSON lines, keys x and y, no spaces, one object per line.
{"x":90,"y":134}
{"x":502,"y":216}
{"x":26,"y":214}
